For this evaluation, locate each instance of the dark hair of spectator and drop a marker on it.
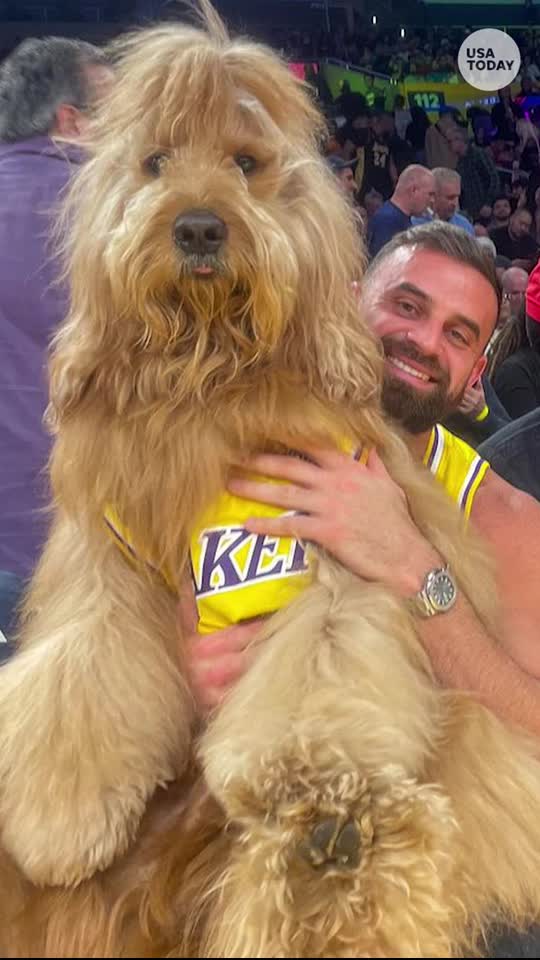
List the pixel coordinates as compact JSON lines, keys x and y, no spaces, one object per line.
{"x":449,"y":240}
{"x":37,"y":77}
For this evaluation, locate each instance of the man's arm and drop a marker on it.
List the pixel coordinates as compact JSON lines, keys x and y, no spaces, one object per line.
{"x":360,"y":516}
{"x":509,"y":521}
{"x":504,"y":675}
{"x":465,"y":657}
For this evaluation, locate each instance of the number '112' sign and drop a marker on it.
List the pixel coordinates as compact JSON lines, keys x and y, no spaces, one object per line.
{"x":428,"y":99}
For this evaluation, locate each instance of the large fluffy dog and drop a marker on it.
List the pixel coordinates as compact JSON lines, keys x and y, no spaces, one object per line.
{"x":354,"y":809}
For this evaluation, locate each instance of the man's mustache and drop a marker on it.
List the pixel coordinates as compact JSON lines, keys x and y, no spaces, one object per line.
{"x":406,"y":349}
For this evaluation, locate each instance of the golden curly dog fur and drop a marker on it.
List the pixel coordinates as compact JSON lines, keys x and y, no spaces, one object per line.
{"x":127,"y":830}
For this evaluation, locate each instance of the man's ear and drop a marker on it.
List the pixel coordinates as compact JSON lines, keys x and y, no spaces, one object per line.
{"x":477,"y":370}
{"x":69,"y":122}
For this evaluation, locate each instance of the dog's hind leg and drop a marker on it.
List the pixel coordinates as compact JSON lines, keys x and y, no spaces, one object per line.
{"x":319,"y":759}
{"x":94,"y":710}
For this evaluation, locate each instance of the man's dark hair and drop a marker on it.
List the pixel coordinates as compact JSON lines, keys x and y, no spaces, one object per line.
{"x":37,"y":77}
{"x":445,"y":238}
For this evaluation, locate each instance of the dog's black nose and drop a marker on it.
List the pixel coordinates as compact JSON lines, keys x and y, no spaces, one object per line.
{"x":199,"y":231}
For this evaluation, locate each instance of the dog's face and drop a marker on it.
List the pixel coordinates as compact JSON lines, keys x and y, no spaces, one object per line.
{"x":205,"y":228}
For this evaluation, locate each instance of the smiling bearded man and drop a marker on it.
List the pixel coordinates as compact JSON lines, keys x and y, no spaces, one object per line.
{"x":432,"y":299}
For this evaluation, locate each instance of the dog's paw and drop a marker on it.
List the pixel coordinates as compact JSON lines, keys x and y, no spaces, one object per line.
{"x":332,"y":858}
{"x":333,"y":843}
{"x":65,"y":842}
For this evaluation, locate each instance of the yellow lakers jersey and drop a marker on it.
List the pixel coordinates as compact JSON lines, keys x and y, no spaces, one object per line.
{"x":458,"y":467}
{"x":239,"y":575}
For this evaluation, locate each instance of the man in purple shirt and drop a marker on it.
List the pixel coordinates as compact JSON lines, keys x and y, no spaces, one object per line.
{"x":46,"y":86}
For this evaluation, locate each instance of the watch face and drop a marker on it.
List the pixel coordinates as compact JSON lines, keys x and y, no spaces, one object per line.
{"x":443,"y":591}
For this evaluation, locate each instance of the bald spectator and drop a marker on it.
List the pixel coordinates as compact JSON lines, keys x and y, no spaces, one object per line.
{"x":516,"y":242}
{"x":514,"y":284}
{"x":479,"y":178}
{"x":446,"y":200}
{"x":413,"y":194}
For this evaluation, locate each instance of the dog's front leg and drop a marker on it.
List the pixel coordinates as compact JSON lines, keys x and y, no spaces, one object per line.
{"x":94,"y":710}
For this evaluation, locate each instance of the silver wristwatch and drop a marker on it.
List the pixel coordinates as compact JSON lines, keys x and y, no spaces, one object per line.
{"x":437,"y":595}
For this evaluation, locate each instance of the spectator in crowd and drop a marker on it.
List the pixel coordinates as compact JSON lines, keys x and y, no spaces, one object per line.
{"x":354,"y":134}
{"x":414,"y":193}
{"x":479,"y":178}
{"x":376,"y":161}
{"x":439,"y":153}
{"x":488,"y":246}
{"x":402,"y":116}
{"x":416,"y":133}
{"x":517,"y":378}
{"x":479,"y":415}
{"x":343,"y":170}
{"x":502,"y":264}
{"x":516,"y":242}
{"x":46,"y":89}
{"x":503,"y":115}
{"x":509,"y":334}
{"x":527,"y":152}
{"x":536,"y":216}
{"x":485,"y":215}
{"x":372,"y":202}
{"x":514,"y":286}
{"x":446,"y":200}
{"x":501,"y":212}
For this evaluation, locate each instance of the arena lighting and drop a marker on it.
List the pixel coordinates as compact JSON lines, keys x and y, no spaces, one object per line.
{"x":374,"y":19}
{"x":402,"y":33}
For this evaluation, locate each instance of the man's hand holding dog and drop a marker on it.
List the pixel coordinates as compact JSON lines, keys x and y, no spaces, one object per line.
{"x":354,"y":511}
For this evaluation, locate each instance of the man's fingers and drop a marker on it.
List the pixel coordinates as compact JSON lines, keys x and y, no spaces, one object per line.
{"x":299,"y":527}
{"x":284,"y":468}
{"x":212,"y":679}
{"x":229,"y":640}
{"x":222,"y":672}
{"x":284,"y":495}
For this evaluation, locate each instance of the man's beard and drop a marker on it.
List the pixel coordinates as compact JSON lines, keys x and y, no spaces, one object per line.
{"x":416,"y":410}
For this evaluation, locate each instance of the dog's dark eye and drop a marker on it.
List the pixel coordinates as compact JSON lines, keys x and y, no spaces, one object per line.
{"x":246,"y":163}
{"x":154,"y":163}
